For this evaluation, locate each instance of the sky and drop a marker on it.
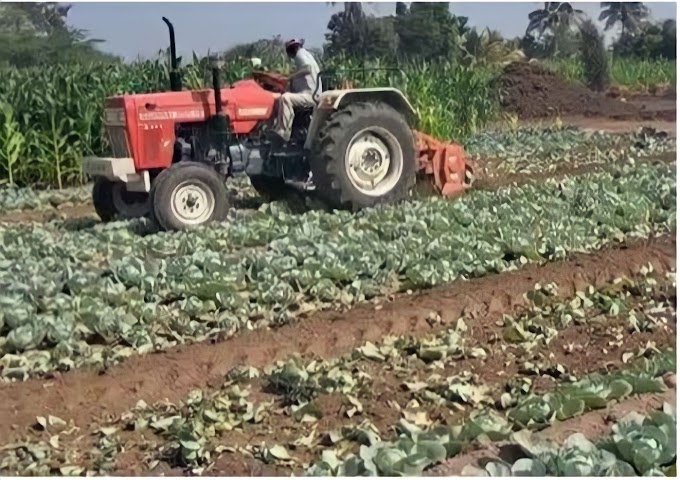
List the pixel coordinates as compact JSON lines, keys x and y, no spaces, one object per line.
{"x":135,"y":29}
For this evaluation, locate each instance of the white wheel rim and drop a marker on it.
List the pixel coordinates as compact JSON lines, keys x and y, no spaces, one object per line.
{"x":128,"y":209}
{"x":192,"y":202}
{"x":374,"y":161}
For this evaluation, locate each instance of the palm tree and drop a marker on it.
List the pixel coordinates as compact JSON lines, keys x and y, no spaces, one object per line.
{"x":552,"y":15}
{"x":630,"y":15}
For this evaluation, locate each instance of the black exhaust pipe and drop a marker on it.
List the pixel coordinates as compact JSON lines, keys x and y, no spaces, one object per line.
{"x":175,"y":76}
{"x":218,"y":89}
{"x":219,"y":123}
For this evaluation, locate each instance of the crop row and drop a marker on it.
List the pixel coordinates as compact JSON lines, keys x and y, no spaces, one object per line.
{"x":70,"y":300}
{"x":419,"y":448}
{"x":51,"y":117}
{"x":636,"y":74}
{"x":640,"y":445}
{"x":526,"y":151}
{"x":425,"y":374}
{"x":545,"y":151}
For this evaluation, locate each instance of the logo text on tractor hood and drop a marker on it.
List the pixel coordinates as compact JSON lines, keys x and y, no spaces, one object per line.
{"x":171,"y":115}
{"x":252,"y":112}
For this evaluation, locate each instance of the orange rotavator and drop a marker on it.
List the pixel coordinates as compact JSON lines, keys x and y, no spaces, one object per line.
{"x":173,"y":151}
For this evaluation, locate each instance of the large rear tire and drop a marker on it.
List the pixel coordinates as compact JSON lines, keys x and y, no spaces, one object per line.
{"x":188,"y":195}
{"x":365,"y":156}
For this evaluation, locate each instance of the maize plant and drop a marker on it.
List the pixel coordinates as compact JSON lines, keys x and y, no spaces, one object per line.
{"x":52,"y":116}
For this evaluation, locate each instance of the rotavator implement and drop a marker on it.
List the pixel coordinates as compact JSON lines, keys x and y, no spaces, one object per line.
{"x":173,"y":151}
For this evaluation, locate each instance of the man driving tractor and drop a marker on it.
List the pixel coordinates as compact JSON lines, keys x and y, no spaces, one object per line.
{"x":303,"y":86}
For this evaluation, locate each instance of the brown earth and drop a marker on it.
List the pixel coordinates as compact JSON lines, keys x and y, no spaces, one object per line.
{"x":530,"y":91}
{"x":593,"y":425}
{"x":488,"y":179}
{"x":384,"y":399}
{"x":85,"y":395}
{"x":581,"y":349}
{"x":81,"y":210}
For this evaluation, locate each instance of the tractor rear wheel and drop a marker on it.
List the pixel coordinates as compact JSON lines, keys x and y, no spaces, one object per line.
{"x":112,"y":200}
{"x":188,"y":195}
{"x":365,"y":156}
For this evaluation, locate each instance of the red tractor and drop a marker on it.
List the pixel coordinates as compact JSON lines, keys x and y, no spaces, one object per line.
{"x":173,"y":151}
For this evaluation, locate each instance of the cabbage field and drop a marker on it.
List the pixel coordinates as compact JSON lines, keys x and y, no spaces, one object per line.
{"x":428,"y":338}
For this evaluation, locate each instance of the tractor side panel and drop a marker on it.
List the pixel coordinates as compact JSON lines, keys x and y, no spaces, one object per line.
{"x":152,"y":117}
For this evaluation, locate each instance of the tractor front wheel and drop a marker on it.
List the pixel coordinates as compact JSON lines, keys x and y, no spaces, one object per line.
{"x":188,"y":195}
{"x":112,"y":200}
{"x":365,"y":156}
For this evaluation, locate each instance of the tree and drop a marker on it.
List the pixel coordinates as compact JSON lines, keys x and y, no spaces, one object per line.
{"x":669,"y":43}
{"x":270,"y":51}
{"x":490,"y":48}
{"x":41,"y":19}
{"x":401,"y":9}
{"x":631,"y":16}
{"x":653,"y":40}
{"x":594,"y":57}
{"x":428,"y":30}
{"x":37,"y":34}
{"x":558,"y":18}
{"x":354,"y":34}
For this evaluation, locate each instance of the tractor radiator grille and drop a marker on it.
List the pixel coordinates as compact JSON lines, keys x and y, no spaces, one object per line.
{"x":120,"y":148}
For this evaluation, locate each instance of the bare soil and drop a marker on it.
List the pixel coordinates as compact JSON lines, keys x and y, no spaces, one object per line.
{"x":86,"y":395}
{"x":385,"y":398}
{"x":81,"y":210}
{"x":593,"y":425}
{"x":530,"y":91}
{"x":581,"y":349}
{"x":485,"y":180}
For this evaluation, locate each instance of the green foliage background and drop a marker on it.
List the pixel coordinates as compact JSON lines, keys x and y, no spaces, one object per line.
{"x":54,"y":79}
{"x":53,"y":115}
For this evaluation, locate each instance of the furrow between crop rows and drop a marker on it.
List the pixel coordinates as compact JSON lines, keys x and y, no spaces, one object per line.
{"x":286,"y":415}
{"x":84,"y":395}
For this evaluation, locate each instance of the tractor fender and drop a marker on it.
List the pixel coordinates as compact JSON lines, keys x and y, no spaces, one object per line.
{"x":334,"y":99}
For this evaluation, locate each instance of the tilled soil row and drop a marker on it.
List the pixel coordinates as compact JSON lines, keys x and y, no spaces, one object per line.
{"x":85,"y":395}
{"x":487,"y":179}
{"x":384,"y":397}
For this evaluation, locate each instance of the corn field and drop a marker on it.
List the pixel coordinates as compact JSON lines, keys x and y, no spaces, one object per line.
{"x":51,"y":117}
{"x":636,"y":74}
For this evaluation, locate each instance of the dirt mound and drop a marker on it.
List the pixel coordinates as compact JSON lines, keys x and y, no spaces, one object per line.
{"x":531,"y":91}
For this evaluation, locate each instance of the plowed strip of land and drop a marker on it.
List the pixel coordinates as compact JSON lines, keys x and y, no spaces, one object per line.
{"x":594,"y":425}
{"x":599,"y":340}
{"x":84,"y":395}
{"x":487,"y":182}
{"x":484,"y":181}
